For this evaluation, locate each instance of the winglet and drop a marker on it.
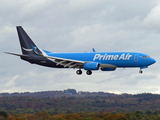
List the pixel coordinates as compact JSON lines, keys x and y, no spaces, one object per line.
{"x":93,"y":50}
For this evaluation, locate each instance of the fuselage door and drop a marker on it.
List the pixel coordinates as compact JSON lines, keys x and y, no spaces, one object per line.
{"x":136,"y":58}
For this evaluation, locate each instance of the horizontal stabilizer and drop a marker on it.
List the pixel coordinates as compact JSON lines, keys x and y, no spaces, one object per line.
{"x":17,"y":54}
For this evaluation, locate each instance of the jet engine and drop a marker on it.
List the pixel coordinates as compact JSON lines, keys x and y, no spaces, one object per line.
{"x":91,"y":66}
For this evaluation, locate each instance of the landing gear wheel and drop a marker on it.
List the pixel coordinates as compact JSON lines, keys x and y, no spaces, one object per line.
{"x":89,"y":72}
{"x":79,"y":72}
{"x":140,"y":71}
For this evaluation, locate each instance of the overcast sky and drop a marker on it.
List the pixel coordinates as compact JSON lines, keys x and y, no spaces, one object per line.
{"x":79,"y":26}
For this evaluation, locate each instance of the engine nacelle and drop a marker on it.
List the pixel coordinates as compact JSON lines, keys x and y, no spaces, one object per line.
{"x":108,"y":69}
{"x":91,"y":66}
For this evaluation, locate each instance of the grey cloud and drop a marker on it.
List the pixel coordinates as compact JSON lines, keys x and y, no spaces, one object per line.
{"x":146,"y":77}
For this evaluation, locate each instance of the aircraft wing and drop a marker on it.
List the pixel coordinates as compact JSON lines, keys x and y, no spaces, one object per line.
{"x":74,"y":63}
{"x":70,"y":63}
{"x":66,"y":62}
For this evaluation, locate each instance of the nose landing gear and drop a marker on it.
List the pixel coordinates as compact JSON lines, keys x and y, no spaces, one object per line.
{"x":140,"y":71}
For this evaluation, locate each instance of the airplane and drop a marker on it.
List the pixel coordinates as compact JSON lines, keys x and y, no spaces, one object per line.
{"x":90,"y":61}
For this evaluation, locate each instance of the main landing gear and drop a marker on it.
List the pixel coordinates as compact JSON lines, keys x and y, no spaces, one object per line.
{"x":88,"y":72}
{"x":79,"y":72}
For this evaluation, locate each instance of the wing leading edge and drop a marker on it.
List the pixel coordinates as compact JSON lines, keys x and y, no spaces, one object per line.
{"x":66,"y":62}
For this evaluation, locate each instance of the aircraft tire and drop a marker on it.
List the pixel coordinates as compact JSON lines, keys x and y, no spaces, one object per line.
{"x":79,"y":72}
{"x":89,"y":72}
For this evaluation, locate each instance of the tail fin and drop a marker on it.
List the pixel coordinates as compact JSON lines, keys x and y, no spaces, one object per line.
{"x":27,"y":45}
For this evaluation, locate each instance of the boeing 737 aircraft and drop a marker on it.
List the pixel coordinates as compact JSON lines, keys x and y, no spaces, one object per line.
{"x":105,"y":61}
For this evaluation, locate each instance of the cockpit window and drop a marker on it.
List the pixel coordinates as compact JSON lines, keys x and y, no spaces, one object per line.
{"x":146,"y":56}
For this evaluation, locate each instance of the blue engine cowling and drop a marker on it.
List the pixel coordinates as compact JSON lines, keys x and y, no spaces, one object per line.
{"x":108,"y":69}
{"x":91,"y":66}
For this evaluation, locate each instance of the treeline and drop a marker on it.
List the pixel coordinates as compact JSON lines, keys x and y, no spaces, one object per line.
{"x":64,"y":93}
{"x":138,"y":115}
{"x":65,"y":105}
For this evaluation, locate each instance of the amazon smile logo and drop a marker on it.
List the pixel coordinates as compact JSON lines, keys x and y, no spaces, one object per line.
{"x":28,"y":50}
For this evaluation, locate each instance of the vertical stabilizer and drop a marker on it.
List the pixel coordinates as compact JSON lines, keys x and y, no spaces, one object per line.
{"x":27,"y":45}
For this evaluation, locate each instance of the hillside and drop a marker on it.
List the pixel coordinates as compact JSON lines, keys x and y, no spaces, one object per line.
{"x":55,"y":94}
{"x":70,"y":101}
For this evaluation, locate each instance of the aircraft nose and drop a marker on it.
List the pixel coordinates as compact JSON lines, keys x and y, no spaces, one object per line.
{"x":152,"y":61}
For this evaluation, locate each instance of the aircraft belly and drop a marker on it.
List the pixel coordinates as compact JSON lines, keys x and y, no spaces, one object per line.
{"x":121,"y":63}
